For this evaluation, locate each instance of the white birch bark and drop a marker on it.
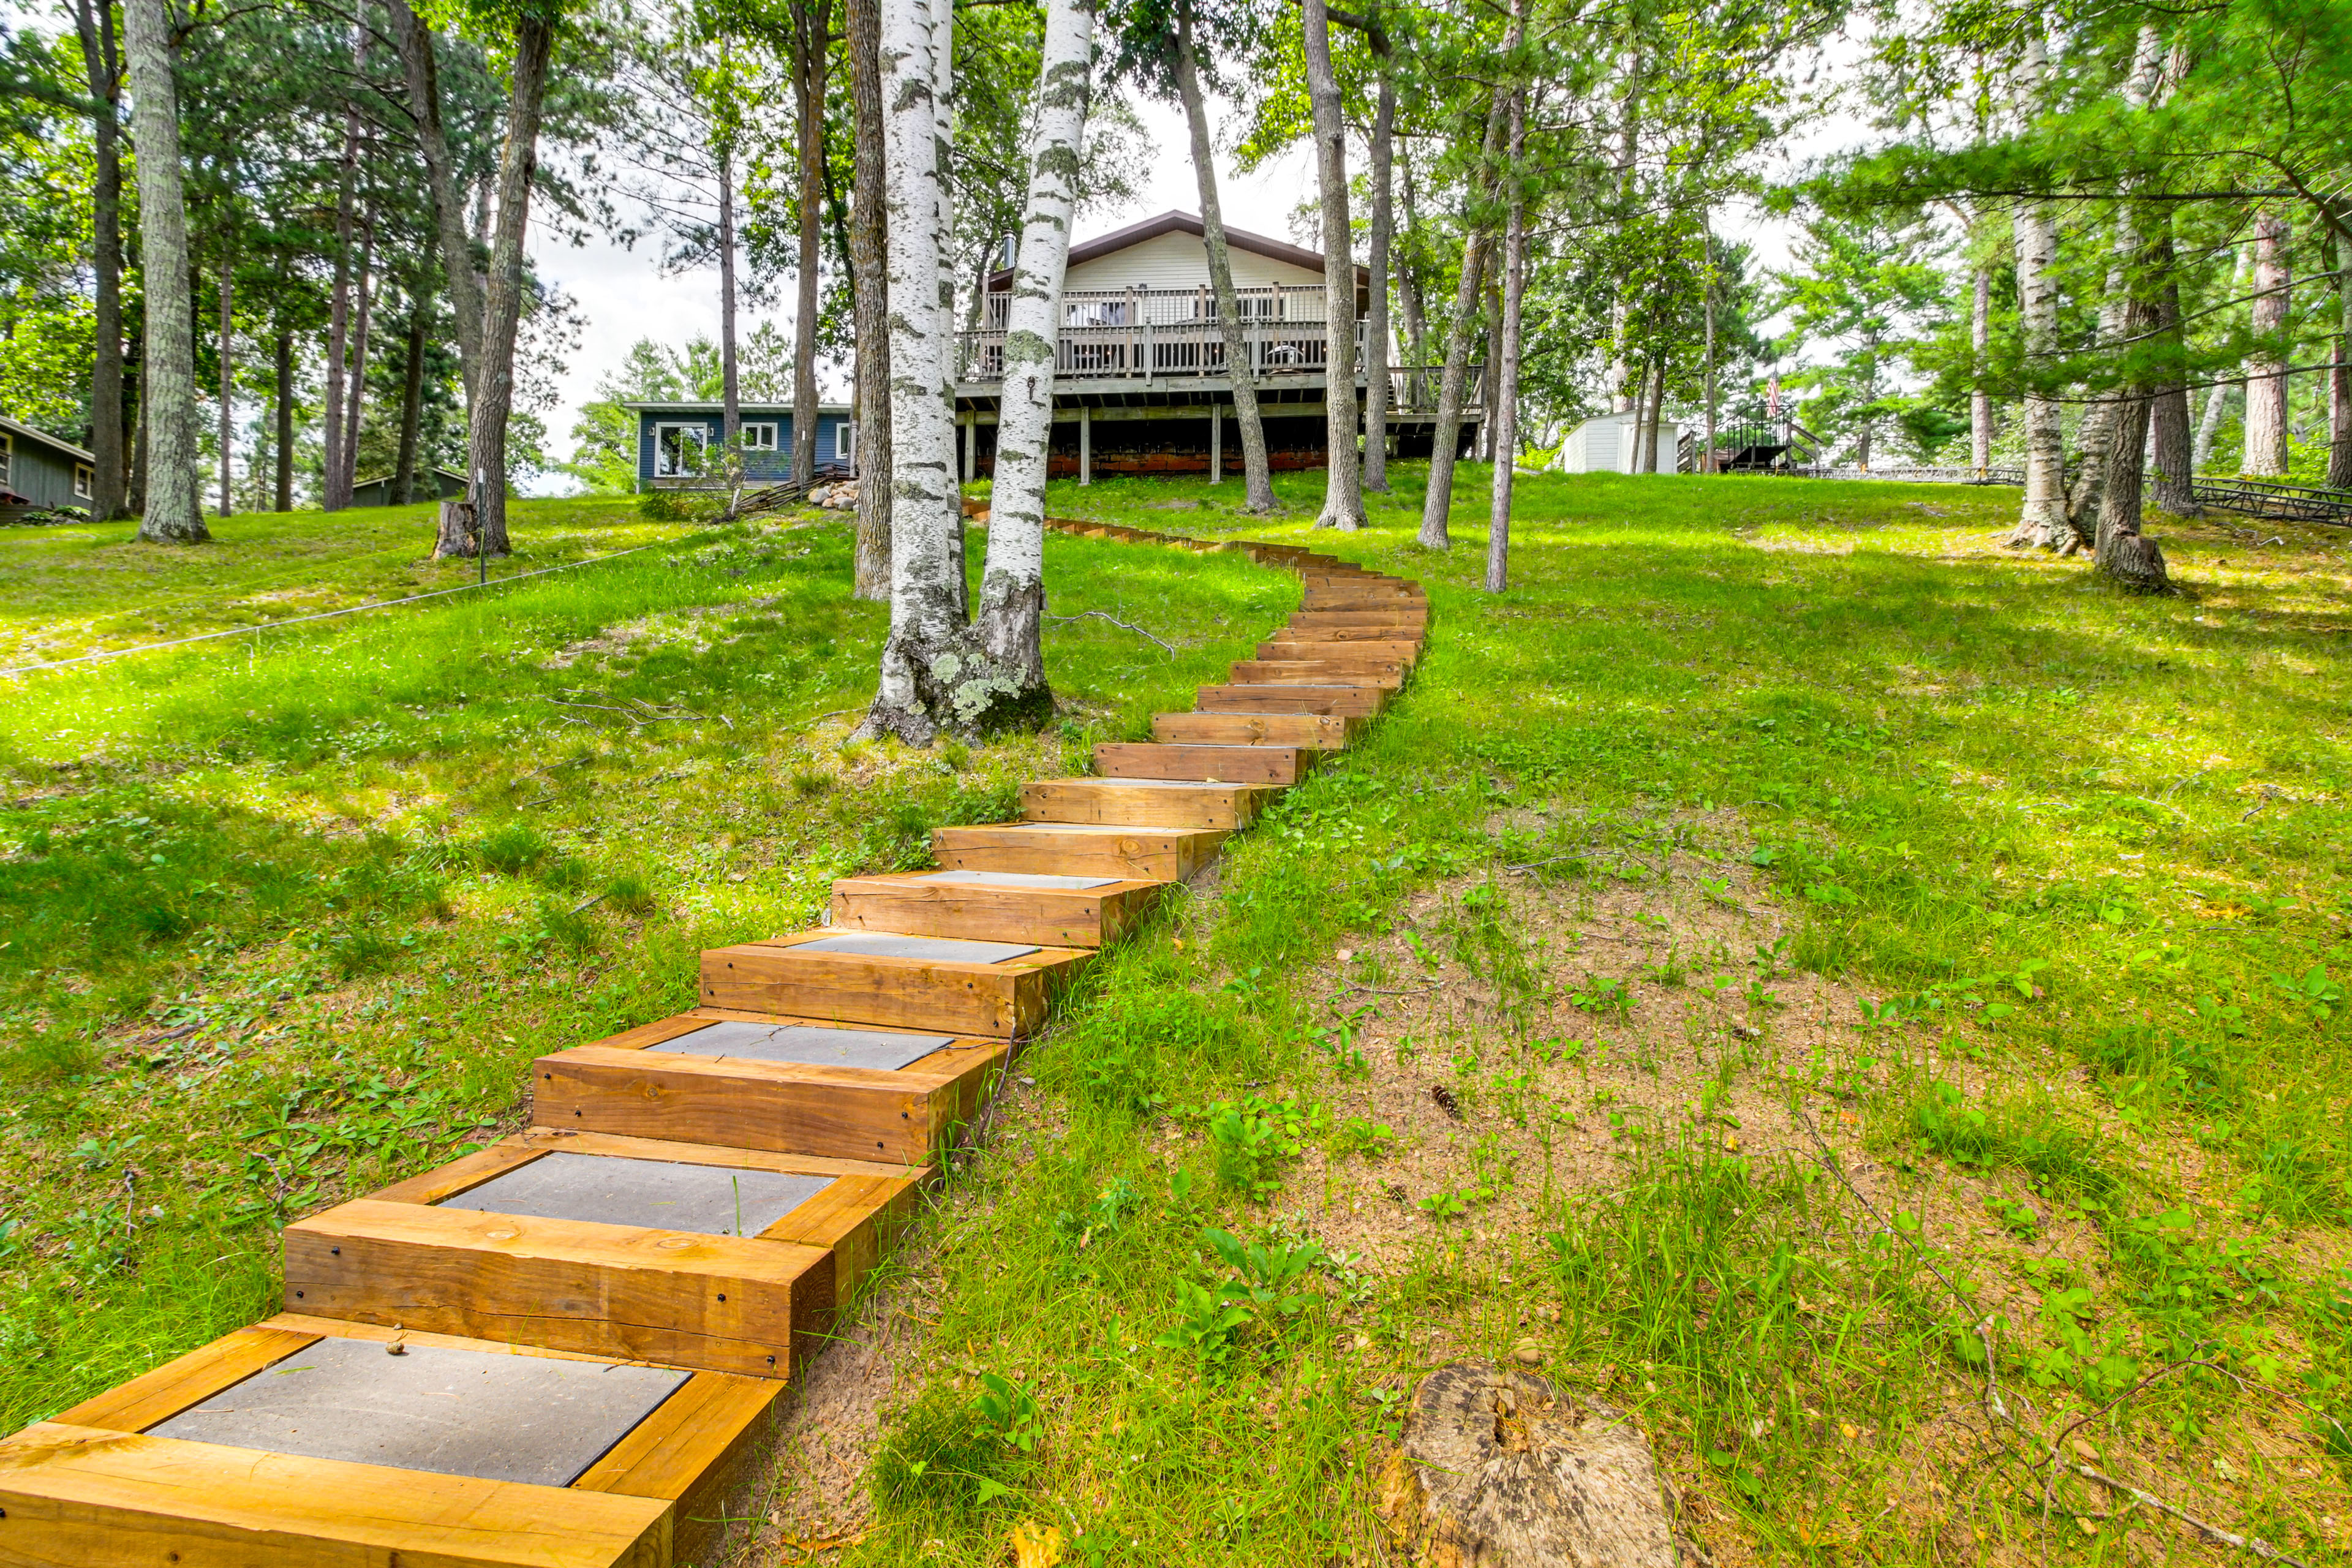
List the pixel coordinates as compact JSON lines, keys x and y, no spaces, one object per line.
{"x":943,"y":214}
{"x":1376,"y":317}
{"x":1012,"y":581}
{"x":173,"y":512}
{"x":2043,"y":518}
{"x":1343,"y":487}
{"x":923,"y":654}
{"x":1505,"y":412}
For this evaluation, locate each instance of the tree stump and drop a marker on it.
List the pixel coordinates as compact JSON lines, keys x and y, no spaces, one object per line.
{"x":1500,"y":1469}
{"x":457,"y":530}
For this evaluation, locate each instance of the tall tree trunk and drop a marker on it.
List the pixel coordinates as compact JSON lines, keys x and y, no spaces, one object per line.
{"x":1979,"y":366}
{"x":1437,"y":501}
{"x":357,"y":394}
{"x":534,"y":44}
{"x":107,"y":476}
{"x":2041,"y":521}
{"x":811,"y":31}
{"x":283,"y":412}
{"x":927,"y":651}
{"x":871,"y":264}
{"x":2209,"y":424}
{"x":1629,"y":147}
{"x":1007,"y":630}
{"x":168,"y":377}
{"x":411,"y":399}
{"x":1257,"y":478}
{"x":1409,"y":300}
{"x":2122,"y":552}
{"x":1706,"y":463}
{"x":944,"y":246}
{"x":2168,"y":430}
{"x":730,"y":404}
{"x":1343,"y":487}
{"x":1488,"y":388}
{"x":417,"y":63}
{"x":2340,"y":376}
{"x":1376,"y":321}
{"x":335,"y":493}
{"x":1506,"y":410}
{"x":224,"y":347}
{"x":2265,"y":453}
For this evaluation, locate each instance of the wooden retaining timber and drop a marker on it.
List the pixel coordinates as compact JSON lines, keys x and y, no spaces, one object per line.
{"x":693,"y":1198}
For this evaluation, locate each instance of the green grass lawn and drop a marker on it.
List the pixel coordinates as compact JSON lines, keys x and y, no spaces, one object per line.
{"x":1756,"y":812}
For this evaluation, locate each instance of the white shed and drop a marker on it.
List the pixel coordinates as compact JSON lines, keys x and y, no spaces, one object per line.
{"x":1606,"y":444}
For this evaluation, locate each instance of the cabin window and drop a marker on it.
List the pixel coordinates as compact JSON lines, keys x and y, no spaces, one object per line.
{"x":7,"y":459}
{"x":844,"y":442}
{"x":760,"y":438}
{"x":679,"y":450}
{"x":83,"y":480}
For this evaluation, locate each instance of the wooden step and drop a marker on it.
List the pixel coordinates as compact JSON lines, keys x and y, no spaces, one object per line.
{"x":1352,"y":701}
{"x":1322,"y":732}
{"x":1388,"y":674}
{"x":936,"y":983}
{"x":1274,"y":764}
{"x":631,"y":1465}
{"x":752,"y":1080}
{"x":1403,"y":621}
{"x":1154,"y":802}
{"x":1379,"y":632}
{"x":1396,"y":650}
{"x":1338,"y":596}
{"x":997,"y":906}
{"x":682,"y":1254}
{"x":1158,"y":854}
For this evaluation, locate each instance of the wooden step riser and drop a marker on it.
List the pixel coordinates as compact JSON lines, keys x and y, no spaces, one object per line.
{"x":1363,"y":624}
{"x":1353,"y":702}
{"x":1224,"y":807}
{"x":1094,"y":918}
{"x":1321,"y":731}
{"x":1386,"y":674}
{"x":1006,"y":1000}
{"x":1148,"y":856}
{"x":1268,"y":764}
{"x":1379,"y":633}
{"x":1397,"y":652}
{"x":1326,"y":602}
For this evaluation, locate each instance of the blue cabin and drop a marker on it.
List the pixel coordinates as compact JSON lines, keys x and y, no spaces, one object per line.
{"x":40,"y":473}
{"x":679,"y":442}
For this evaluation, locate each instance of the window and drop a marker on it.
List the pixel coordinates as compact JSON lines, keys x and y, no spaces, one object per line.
{"x":83,"y":480}
{"x":7,"y":459}
{"x":760,"y":438}
{"x":679,"y":449}
{"x":844,"y":441}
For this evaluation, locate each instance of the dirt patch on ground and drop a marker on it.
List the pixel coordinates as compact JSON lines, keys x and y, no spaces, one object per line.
{"x":688,"y":629}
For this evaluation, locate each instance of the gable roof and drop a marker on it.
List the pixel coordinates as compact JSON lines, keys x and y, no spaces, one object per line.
{"x":45,"y":439}
{"x":713,"y":407}
{"x":1186,"y":223}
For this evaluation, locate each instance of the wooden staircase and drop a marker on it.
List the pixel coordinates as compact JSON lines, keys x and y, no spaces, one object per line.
{"x":562,"y":1350}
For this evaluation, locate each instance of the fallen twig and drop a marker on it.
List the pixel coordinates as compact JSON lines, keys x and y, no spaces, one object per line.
{"x":1113,"y":620}
{"x":1382,"y":991}
{"x":2254,"y":1543}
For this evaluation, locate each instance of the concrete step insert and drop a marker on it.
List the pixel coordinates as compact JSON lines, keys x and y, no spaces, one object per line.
{"x":1348,"y":701}
{"x":299,"y":1441}
{"x":687,"y":1255}
{"x":1395,"y":650}
{"x":908,"y":981}
{"x":1158,"y":854}
{"x":752,"y":1080}
{"x":1123,"y":802}
{"x":998,"y":906}
{"x":1250,"y":764}
{"x":1322,"y":732}
{"x":1388,"y":674}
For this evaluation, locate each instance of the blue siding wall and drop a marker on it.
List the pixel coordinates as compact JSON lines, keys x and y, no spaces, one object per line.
{"x":758,"y":464}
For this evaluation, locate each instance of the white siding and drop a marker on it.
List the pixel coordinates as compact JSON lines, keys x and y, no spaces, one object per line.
{"x":1180,"y":261}
{"x":1605,"y":445}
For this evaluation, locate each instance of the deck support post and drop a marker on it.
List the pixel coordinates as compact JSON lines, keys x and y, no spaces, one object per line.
{"x":1085,"y":445}
{"x":1216,"y":445}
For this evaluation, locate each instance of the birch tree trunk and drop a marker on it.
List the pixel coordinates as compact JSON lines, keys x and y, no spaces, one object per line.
{"x":1343,"y":488}
{"x":335,"y":494}
{"x":108,"y":472}
{"x":417,"y":64}
{"x":926,"y":654}
{"x":1629,"y":147}
{"x":2339,"y":378}
{"x":2209,"y":426}
{"x":1979,"y":365}
{"x":357,"y":392}
{"x":223,"y":343}
{"x":1506,"y":410}
{"x":812,"y":29}
{"x":534,"y":46}
{"x":167,"y":388}
{"x":870,"y":262}
{"x":2265,"y":449}
{"x":1257,"y":478}
{"x":1012,"y":582}
{"x":2042,"y":521}
{"x":1409,"y":300}
{"x":1376,"y":319}
{"x":1437,"y":501}
{"x":730,"y":385}
{"x":943,"y":247}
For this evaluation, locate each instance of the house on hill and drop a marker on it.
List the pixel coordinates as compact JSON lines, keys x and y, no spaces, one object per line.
{"x":40,"y":473}
{"x":679,"y":445}
{"x":443,"y":484}
{"x":1140,"y":384}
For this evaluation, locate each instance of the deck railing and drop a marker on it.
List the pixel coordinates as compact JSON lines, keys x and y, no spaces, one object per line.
{"x":1153,"y":334}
